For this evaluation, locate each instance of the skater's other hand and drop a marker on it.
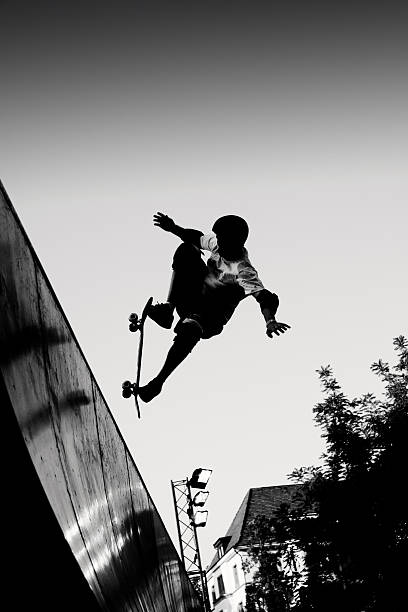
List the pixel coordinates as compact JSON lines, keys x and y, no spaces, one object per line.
{"x":274,"y":327}
{"x":164,"y":222}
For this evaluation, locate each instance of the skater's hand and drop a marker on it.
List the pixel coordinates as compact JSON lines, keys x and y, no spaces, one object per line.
{"x":274,"y":327}
{"x":164,"y":222}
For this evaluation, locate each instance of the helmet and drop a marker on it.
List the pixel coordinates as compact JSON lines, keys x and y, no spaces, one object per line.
{"x":232,"y":225}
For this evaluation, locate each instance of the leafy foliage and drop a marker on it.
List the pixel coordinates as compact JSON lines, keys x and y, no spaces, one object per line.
{"x":351,"y":521}
{"x":273,"y":562}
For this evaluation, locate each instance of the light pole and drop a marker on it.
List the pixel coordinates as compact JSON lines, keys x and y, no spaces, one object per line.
{"x":188,"y":519}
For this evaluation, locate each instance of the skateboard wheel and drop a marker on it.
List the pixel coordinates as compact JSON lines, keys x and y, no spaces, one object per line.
{"x":133,"y":317}
{"x":133,"y":327}
{"x":127,"y":389}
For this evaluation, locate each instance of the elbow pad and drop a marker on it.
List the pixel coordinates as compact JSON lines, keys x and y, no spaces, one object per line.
{"x":193,"y":236}
{"x":266,"y":299}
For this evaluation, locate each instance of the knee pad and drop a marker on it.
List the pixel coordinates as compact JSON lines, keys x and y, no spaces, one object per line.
{"x":187,"y":336}
{"x":185,"y":254}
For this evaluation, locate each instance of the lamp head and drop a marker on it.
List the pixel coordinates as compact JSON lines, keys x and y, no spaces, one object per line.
{"x":200,"y":478}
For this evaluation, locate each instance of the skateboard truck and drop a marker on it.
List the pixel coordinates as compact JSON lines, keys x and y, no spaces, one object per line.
{"x":135,"y":323}
{"x":127,"y":389}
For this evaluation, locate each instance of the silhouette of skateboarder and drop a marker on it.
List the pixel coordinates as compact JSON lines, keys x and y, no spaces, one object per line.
{"x":205,"y":295}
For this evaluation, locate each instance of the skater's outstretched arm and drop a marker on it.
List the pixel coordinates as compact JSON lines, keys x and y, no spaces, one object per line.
{"x":269,"y":303}
{"x":187,"y":235}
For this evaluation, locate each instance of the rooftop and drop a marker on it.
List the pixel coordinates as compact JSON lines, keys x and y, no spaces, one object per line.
{"x":261,"y":500}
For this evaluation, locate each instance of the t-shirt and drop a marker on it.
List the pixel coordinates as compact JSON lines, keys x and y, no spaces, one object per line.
{"x":223,"y":271}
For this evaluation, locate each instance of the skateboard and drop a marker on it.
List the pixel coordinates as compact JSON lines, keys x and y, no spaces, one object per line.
{"x":136,"y":324}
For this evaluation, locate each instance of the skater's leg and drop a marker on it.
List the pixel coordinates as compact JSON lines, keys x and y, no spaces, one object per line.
{"x":186,"y":284}
{"x":189,"y":271}
{"x":171,"y":294}
{"x":184,"y":342}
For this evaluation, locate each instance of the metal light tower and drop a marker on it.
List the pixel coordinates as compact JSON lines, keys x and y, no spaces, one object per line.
{"x":188,"y":519}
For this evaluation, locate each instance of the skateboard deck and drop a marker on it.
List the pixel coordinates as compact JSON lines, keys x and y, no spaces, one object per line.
{"x":137,"y":324}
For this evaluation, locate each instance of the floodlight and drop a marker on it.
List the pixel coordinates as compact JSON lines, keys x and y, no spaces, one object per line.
{"x":200,"y":478}
{"x":200,"y":518}
{"x":200,"y":498}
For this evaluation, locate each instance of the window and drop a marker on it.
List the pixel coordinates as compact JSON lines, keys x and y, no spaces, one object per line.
{"x":221,"y":548}
{"x":221,"y":587}
{"x":236,"y":577}
{"x":221,"y":545}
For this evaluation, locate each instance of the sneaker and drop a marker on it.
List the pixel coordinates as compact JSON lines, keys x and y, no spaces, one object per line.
{"x":149,"y":391}
{"x":162,"y":314}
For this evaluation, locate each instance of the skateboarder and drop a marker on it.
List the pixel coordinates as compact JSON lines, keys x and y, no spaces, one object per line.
{"x":205,"y":295}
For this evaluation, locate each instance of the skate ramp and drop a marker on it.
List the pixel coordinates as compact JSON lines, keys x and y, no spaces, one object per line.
{"x":79,"y":516}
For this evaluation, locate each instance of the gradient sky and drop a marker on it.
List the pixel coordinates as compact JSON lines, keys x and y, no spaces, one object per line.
{"x":295,"y":118}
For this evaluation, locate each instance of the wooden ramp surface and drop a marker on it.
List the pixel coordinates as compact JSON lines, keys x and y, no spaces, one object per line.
{"x":82,"y":531}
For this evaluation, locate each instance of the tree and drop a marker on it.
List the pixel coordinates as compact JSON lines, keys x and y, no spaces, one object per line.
{"x":356,"y":545}
{"x":271,"y":559}
{"x":350,"y":522}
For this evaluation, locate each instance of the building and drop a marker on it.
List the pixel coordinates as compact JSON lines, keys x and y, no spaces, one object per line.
{"x":225,"y":575}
